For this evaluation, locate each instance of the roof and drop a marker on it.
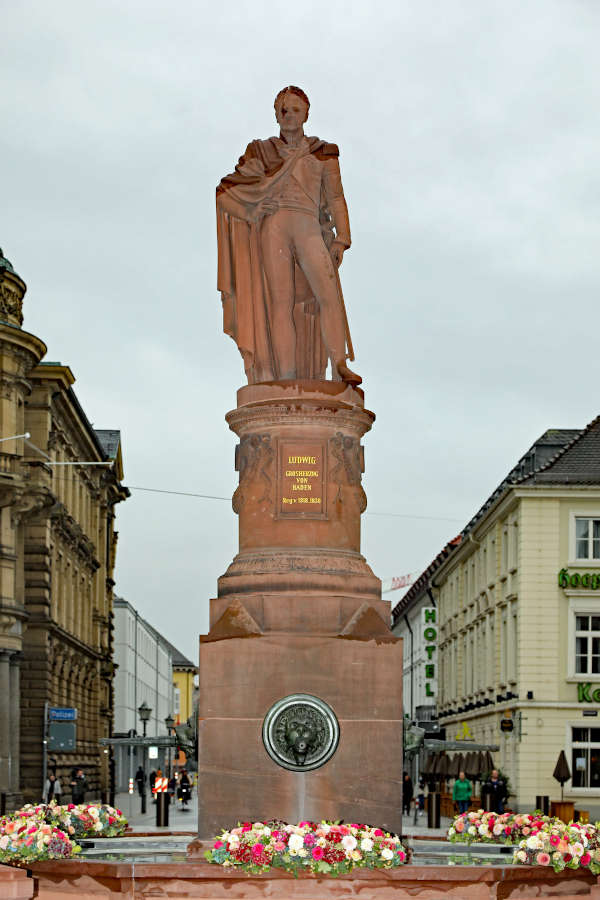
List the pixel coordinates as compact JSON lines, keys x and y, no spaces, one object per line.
{"x":422,"y":581}
{"x":5,"y":264}
{"x":577,"y":462}
{"x":559,"y":456}
{"x":109,"y":441}
{"x":179,"y":660}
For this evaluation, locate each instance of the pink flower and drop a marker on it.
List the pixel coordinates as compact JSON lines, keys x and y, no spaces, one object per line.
{"x":309,"y":840}
{"x":246,"y":827}
{"x":257,"y":849}
{"x":317,"y":853}
{"x":218,"y":844}
{"x":378,"y":832}
{"x":344,"y":829}
{"x":543,"y":859}
{"x":554,"y":840}
{"x":459,"y":826}
{"x":585,"y":860}
{"x":279,"y":846}
{"x":526,"y":830}
{"x":402,"y":855}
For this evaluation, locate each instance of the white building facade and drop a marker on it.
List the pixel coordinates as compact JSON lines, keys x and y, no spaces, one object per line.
{"x":144,"y":674}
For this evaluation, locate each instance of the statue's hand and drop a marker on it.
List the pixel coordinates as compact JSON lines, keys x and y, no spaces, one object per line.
{"x":337,"y":253}
{"x":266,"y":207}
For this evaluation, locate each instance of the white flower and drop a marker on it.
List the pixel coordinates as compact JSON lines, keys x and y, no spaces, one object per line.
{"x":471,"y":829}
{"x":98,"y":826}
{"x":325,"y":828}
{"x":451,"y":832}
{"x":521,"y":856}
{"x":534,"y":843}
{"x":295,"y":842}
{"x":349,"y":842}
{"x":483,"y":830}
{"x":577,"y":849}
{"x":302,"y":851}
{"x":293,"y":852}
{"x":366,"y":844}
{"x":386,"y":853}
{"x":497,"y":829}
{"x":4,"y":840}
{"x":93,"y":811}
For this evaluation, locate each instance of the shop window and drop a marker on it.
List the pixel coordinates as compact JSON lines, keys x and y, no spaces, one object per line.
{"x":585,"y":757}
{"x":587,"y":538}
{"x":587,"y":644}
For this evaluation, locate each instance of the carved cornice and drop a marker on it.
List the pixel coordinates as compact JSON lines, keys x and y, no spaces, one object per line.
{"x":29,"y":501}
{"x":73,"y":535}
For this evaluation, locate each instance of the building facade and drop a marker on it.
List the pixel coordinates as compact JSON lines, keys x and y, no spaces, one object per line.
{"x":60,"y":482}
{"x":144,"y":674}
{"x":519,"y":621}
{"x":185,"y":698}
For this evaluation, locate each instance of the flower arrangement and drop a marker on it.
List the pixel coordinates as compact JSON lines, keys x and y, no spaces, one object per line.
{"x":323,"y":848}
{"x":561,"y":846}
{"x":88,"y":819}
{"x":42,"y":831}
{"x":489,"y":827}
{"x":28,"y":837}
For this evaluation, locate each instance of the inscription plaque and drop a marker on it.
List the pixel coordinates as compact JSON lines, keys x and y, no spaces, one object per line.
{"x":302,"y":479}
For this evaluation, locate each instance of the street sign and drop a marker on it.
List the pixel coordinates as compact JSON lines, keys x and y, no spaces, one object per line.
{"x":62,"y":736}
{"x":506,"y":724}
{"x":62,"y":714}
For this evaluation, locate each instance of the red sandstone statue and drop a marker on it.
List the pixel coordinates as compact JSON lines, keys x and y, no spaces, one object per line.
{"x":279,"y":255}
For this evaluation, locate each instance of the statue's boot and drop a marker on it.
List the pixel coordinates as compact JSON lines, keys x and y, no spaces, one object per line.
{"x":347,"y":374}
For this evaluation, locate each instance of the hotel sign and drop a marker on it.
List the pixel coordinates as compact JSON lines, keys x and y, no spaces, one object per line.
{"x":588,"y":693}
{"x":429,"y":633}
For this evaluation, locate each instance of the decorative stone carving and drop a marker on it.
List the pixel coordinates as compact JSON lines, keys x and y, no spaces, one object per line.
{"x":11,"y":304}
{"x":349,"y":465}
{"x":254,"y":459}
{"x":301,"y":732}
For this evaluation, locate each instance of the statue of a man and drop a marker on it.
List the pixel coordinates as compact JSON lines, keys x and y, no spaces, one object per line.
{"x":279,"y":254}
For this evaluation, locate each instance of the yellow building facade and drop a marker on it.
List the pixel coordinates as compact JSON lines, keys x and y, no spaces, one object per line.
{"x":519,"y":622}
{"x":60,"y":483}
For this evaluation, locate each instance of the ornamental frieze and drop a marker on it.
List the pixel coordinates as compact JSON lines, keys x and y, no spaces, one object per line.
{"x":11,"y":304}
{"x":348,"y":465}
{"x":254,"y":460}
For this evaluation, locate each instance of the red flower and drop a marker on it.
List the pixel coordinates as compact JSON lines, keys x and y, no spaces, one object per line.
{"x":585,"y":860}
{"x":318,"y":853}
{"x":378,"y":832}
{"x":568,"y":857}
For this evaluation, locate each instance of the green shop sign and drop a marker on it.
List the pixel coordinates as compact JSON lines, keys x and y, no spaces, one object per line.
{"x":585,"y":694}
{"x":575,"y":580}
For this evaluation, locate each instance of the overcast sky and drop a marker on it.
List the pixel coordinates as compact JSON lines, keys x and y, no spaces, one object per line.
{"x":469,"y":151}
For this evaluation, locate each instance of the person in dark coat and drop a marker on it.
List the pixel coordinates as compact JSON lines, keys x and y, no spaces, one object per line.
{"x":407,"y":793}
{"x":185,"y":788}
{"x":79,"y":786}
{"x":495,"y":789}
{"x":140,"y":778}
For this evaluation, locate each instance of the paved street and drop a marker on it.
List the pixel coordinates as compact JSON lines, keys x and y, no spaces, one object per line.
{"x":179,"y":819}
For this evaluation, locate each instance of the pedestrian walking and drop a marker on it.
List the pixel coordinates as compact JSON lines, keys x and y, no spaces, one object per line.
{"x":52,"y":789}
{"x":462,"y":792}
{"x":140,"y":780}
{"x":79,"y":786}
{"x":407,"y":793}
{"x":495,"y":791}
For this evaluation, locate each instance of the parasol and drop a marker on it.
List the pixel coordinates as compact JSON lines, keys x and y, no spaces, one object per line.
{"x":561,"y":772}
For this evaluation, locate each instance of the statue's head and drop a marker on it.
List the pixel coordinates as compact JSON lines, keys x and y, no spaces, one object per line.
{"x":291,"y":107}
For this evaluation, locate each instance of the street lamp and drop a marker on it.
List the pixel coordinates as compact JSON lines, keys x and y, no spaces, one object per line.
{"x":169,"y":722}
{"x":144,"y":712}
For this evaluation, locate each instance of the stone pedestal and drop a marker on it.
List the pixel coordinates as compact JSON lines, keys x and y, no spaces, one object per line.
{"x":299,"y":611}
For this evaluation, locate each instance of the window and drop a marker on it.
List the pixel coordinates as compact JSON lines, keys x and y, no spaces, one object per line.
{"x":587,"y":644}
{"x":587,"y":538}
{"x":585,"y":761}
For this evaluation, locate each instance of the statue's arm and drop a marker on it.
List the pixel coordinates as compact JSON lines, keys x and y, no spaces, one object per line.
{"x":334,"y":193}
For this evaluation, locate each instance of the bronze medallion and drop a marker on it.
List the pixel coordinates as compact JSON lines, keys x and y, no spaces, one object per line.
{"x":301,"y":732}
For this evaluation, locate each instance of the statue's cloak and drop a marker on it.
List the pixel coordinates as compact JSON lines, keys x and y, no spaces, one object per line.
{"x":241,"y":279}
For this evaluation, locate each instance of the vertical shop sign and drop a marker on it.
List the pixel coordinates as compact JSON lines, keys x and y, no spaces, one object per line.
{"x":430,"y":633}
